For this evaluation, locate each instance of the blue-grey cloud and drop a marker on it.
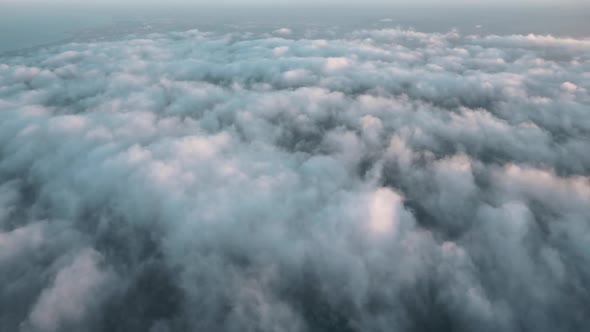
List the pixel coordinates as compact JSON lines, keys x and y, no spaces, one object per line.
{"x":377,"y":180}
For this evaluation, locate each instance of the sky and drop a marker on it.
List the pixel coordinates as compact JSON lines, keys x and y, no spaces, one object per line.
{"x":201,"y":2}
{"x":30,"y":23}
{"x":143,"y":4}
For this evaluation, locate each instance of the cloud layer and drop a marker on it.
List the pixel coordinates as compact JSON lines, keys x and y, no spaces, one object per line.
{"x":379,"y":180}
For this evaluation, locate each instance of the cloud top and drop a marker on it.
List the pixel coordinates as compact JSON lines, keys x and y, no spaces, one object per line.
{"x":377,"y":180}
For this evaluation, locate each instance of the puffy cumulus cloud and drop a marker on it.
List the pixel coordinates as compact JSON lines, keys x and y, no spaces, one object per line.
{"x":384,"y":179}
{"x":75,"y":288}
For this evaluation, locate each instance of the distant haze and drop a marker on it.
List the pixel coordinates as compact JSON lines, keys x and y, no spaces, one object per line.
{"x":28,"y":23}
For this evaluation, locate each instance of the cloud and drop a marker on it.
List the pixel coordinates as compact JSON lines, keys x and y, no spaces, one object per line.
{"x":283,"y":31}
{"x":75,"y":288}
{"x":378,"y":180}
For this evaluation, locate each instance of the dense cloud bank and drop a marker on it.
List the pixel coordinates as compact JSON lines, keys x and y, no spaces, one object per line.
{"x":384,"y":180}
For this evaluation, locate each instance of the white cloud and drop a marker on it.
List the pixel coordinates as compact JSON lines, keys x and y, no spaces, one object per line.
{"x":376,"y":180}
{"x":74,"y":291}
{"x":283,"y":31}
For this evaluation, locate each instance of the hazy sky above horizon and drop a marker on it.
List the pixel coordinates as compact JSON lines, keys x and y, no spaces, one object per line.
{"x":29,"y":23}
{"x":391,"y":3}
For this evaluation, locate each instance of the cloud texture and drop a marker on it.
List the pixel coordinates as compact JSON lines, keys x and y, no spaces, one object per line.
{"x":380,"y":180}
